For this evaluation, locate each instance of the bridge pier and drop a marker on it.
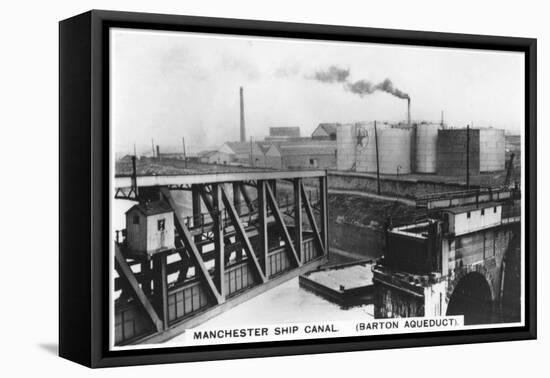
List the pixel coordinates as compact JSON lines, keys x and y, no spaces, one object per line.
{"x":447,"y":265}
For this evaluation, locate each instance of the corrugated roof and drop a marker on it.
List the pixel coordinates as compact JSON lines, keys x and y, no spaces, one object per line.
{"x":241,"y":148}
{"x":152,"y":208}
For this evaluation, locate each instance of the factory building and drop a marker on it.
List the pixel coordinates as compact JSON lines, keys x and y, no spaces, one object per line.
{"x":308,"y":154}
{"x":283,"y":134}
{"x":218,"y":157}
{"x":273,"y":157}
{"x":245,"y":153}
{"x":325,"y":131}
{"x":204,"y":156}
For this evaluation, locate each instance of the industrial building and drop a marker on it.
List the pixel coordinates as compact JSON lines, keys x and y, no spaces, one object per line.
{"x":308,"y":154}
{"x":371,"y":147}
{"x":204,"y":156}
{"x":239,"y":153}
{"x":285,"y":133}
{"x":325,"y":131}
{"x":420,"y":148}
{"x":273,"y":156}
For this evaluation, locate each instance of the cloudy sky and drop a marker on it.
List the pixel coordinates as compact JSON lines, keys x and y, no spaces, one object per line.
{"x":169,"y":85}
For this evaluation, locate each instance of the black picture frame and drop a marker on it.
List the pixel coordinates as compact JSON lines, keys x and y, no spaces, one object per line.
{"x":84,"y":176}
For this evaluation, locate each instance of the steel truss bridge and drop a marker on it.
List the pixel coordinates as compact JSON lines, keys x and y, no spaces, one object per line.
{"x":244,"y":234}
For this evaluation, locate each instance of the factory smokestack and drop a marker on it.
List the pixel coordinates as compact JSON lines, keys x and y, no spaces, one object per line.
{"x":409,"y":111}
{"x":243,"y":130}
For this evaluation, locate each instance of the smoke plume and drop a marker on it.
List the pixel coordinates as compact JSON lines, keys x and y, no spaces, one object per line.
{"x":332,"y":75}
{"x":362,"y":88}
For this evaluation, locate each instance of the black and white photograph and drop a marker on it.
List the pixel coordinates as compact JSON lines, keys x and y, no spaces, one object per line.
{"x":267,"y":189}
{"x":273,"y":189}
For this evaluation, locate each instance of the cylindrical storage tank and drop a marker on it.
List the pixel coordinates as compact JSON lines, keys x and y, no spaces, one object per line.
{"x":491,"y":150}
{"x":394,"y":151}
{"x":345,"y":147}
{"x":426,"y":148}
{"x":366,"y":145}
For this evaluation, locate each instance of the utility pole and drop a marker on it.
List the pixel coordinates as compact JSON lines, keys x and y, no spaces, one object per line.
{"x":134,"y":177}
{"x":135,"y":153}
{"x":153,"y":146}
{"x":251,"y":158}
{"x":184,"y":153}
{"x":377,"y":159}
{"x":468,"y":157}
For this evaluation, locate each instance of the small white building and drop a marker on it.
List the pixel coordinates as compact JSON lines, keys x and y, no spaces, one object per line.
{"x":150,"y":228}
{"x":466,"y":219}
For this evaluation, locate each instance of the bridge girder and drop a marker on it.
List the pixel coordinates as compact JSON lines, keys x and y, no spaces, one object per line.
{"x":231,"y":231}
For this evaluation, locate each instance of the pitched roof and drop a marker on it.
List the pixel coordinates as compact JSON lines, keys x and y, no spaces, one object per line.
{"x":151,"y":208}
{"x":206,"y":153}
{"x":272,"y":147}
{"x":328,"y":128}
{"x":242,"y":148}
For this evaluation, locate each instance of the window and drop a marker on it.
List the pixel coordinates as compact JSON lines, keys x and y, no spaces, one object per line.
{"x":160,"y":224}
{"x":482,"y":212}
{"x":468,"y":215}
{"x":135,"y":219}
{"x":495,"y":209}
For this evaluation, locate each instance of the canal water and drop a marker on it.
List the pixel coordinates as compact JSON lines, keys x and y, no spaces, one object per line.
{"x":286,"y":303}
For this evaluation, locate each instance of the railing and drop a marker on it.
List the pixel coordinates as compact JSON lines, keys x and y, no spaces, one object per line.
{"x":309,"y":250}
{"x":186,"y":300}
{"x":189,"y":298}
{"x":204,"y":220}
{"x":465,"y":197}
{"x":130,"y":323}
{"x":238,"y":278}
{"x":278,"y":262}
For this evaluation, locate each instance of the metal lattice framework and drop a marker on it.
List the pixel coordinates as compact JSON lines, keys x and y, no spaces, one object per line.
{"x":249,"y":238}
